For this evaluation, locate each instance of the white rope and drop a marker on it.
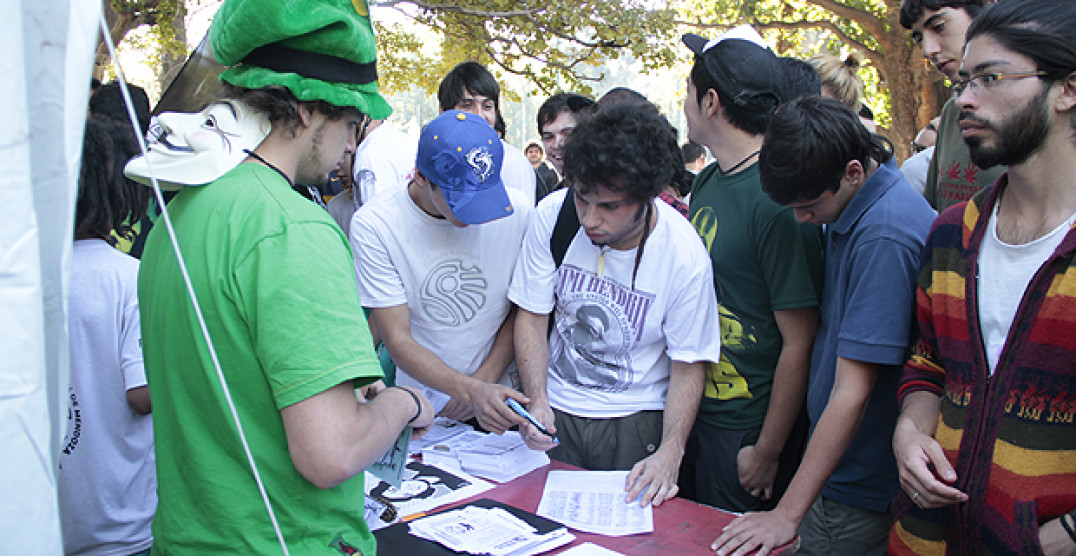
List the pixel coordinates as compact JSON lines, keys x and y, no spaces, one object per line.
{"x":190,"y":287}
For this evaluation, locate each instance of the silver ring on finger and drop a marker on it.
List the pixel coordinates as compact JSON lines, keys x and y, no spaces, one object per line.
{"x":914,"y":496}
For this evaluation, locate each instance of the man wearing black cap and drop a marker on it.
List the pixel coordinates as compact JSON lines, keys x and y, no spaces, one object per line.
{"x":271,"y":271}
{"x":767,"y":268}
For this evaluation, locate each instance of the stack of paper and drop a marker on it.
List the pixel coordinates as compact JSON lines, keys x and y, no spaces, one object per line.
{"x":446,"y":452}
{"x":498,"y":458}
{"x":501,"y":458}
{"x":493,"y":531}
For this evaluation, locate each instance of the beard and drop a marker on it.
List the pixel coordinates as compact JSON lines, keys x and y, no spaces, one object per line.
{"x":635,"y":227}
{"x":1016,"y":138}
{"x":311,"y":168}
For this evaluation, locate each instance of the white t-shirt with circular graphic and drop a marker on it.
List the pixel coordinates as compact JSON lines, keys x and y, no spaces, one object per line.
{"x":453,"y":280}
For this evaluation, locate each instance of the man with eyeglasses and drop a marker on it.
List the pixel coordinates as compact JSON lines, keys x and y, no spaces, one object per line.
{"x":938,"y":27}
{"x":915,"y":167}
{"x":986,"y":440}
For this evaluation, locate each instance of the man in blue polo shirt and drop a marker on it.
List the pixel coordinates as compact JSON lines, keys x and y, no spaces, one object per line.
{"x":818,"y":159}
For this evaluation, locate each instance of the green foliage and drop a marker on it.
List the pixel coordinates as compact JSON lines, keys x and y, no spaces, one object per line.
{"x":159,"y":16}
{"x":804,"y":28}
{"x":555,"y":44}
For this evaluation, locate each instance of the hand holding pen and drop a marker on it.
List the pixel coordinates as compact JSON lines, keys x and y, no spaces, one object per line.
{"x":536,"y":434}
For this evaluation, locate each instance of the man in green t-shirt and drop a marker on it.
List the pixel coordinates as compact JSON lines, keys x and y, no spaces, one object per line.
{"x":767,"y":269}
{"x":271,"y":272}
{"x":938,"y":27}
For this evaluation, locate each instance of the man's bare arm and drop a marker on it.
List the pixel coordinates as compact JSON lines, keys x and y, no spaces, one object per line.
{"x":655,"y":477}
{"x":332,"y":436}
{"x":757,"y":464}
{"x":394,"y":325}
{"x":532,"y":360}
{"x":490,"y":371}
{"x":833,"y":434}
{"x":138,"y":399}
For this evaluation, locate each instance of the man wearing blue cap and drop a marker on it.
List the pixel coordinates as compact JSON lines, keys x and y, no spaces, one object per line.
{"x":270,"y":271}
{"x":433,"y":262}
{"x":470,"y":87}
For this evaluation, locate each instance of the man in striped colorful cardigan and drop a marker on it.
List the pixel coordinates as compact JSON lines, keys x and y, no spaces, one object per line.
{"x":986,"y":440}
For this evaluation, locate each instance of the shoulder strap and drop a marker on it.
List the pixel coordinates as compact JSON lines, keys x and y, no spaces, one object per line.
{"x":563,"y":233}
{"x":565,"y":229}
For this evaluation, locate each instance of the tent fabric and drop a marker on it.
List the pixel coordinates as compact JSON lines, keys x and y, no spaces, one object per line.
{"x":47,"y":64}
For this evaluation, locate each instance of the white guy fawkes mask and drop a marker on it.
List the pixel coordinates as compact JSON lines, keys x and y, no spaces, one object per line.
{"x":196,"y":149}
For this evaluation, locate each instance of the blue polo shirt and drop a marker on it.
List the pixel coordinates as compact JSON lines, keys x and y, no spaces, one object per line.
{"x":873,"y":254}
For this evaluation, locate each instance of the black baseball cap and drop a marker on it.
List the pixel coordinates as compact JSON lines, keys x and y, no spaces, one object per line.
{"x":742,"y":66}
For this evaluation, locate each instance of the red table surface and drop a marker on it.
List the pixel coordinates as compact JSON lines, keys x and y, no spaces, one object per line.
{"x":681,"y":527}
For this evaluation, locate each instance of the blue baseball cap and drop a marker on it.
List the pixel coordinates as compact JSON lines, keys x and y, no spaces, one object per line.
{"x":461,"y":154}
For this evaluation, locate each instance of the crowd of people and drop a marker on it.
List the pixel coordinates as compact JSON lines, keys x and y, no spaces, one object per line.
{"x":793,"y":332}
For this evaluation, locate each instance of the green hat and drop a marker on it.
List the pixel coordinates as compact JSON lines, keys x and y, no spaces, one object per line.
{"x":317,"y":49}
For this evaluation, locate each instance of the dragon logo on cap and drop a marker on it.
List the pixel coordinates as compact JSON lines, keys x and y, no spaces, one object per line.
{"x":481,"y":161}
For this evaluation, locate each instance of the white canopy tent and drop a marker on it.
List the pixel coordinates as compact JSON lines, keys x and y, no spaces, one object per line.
{"x":47,"y":65}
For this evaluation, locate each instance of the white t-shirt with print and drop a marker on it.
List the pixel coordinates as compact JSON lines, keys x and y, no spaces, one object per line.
{"x":453,"y":280}
{"x":384,"y":161}
{"x":611,"y":346}
{"x":107,"y":479}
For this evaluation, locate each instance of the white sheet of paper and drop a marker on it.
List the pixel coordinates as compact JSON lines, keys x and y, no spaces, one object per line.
{"x":492,"y":531}
{"x":589,"y":549}
{"x":593,"y":501}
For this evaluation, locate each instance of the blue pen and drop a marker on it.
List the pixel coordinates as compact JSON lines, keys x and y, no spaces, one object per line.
{"x":512,"y":403}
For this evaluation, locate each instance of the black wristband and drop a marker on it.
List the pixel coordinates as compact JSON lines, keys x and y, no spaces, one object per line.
{"x":1068,"y":525}
{"x":418,"y":404}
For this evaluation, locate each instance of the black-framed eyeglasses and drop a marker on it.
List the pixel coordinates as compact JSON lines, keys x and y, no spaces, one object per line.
{"x":987,"y":81}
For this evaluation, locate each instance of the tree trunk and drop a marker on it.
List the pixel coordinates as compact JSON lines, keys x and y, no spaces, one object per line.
{"x":119,"y":24}
{"x":172,"y":59}
{"x":909,"y":80}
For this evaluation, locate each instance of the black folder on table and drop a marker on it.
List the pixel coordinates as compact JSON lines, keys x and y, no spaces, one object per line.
{"x":395,"y":539}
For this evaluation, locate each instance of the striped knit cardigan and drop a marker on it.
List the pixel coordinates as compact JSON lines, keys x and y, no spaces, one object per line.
{"x":1011,"y":437}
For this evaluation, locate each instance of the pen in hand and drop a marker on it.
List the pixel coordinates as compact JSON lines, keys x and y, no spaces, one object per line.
{"x":522,"y":412}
